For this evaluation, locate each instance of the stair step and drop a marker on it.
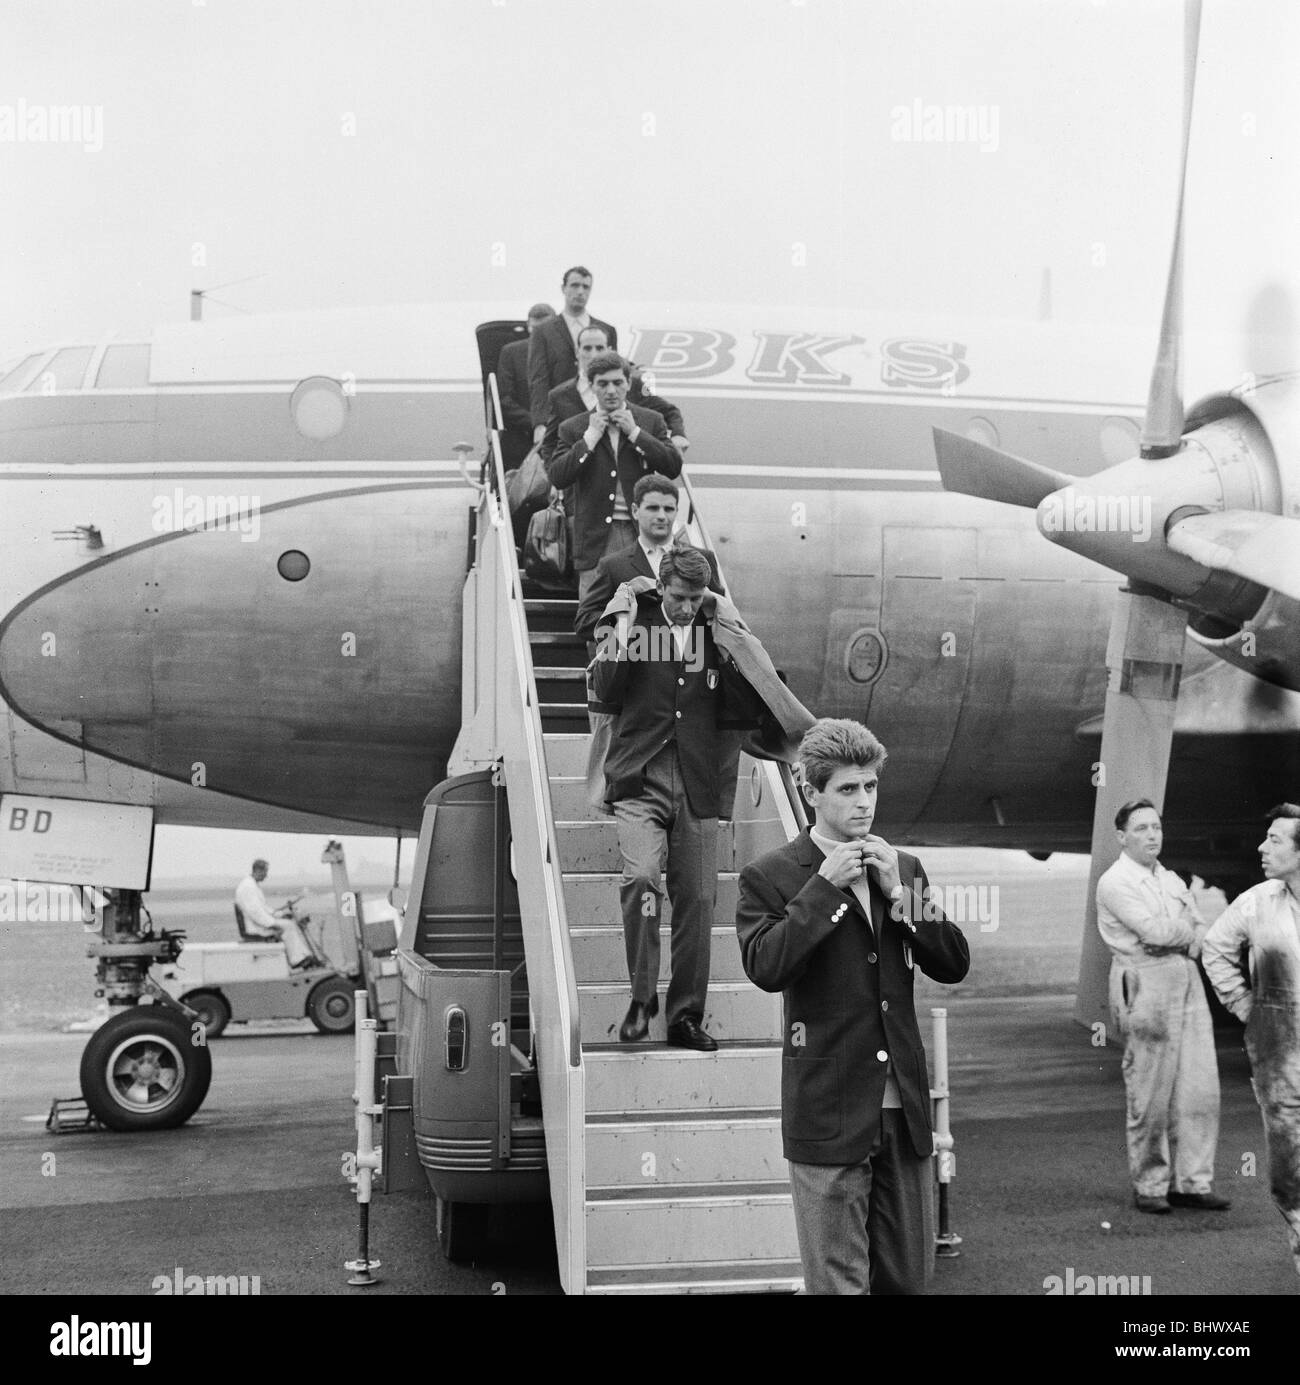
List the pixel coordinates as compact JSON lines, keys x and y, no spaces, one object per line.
{"x":599,"y":953}
{"x":733,"y":1010}
{"x":724,"y":1277}
{"x":653,"y":1080}
{"x":550,"y":615}
{"x":559,"y":719}
{"x":748,"y":1222}
{"x":569,"y":802}
{"x":591,"y":900}
{"x":683,"y":1150}
{"x":592,"y":847}
{"x":561,"y":685}
{"x":566,"y":754}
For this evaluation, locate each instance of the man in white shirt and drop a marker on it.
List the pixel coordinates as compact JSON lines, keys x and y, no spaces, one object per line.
{"x":1266,"y":995}
{"x":1148,"y":919}
{"x":260,"y":922}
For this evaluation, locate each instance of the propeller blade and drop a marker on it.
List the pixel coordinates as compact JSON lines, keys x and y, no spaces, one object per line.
{"x":973,"y":468}
{"x":1162,"y":429}
{"x":1144,"y":658}
{"x":1262,"y":548}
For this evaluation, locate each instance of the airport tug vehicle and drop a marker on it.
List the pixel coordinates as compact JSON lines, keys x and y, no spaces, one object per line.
{"x":251,"y":979}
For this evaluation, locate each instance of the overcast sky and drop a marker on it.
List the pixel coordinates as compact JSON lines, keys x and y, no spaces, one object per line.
{"x":340,"y":153}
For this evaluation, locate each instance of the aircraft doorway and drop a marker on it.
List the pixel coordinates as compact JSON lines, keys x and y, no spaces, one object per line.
{"x":927,"y":623}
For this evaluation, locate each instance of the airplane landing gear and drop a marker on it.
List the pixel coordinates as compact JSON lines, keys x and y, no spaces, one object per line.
{"x":148,"y":1066}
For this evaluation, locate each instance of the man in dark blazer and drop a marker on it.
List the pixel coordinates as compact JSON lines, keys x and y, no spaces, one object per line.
{"x":512,"y":386}
{"x":663,"y":673}
{"x":552,"y":351}
{"x":837,"y":920}
{"x":654,"y":511}
{"x":575,"y":396}
{"x":602,"y":455}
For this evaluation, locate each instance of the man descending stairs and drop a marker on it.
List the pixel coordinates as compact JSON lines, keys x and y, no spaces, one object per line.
{"x":686,"y":1186}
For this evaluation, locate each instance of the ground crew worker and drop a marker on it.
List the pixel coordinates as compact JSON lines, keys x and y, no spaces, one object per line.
{"x":1148,"y":919}
{"x":280,"y":926}
{"x":1266,"y":918}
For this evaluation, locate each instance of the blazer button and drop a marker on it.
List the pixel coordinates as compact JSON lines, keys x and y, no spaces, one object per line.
{"x":884,"y":1005}
{"x":882,"y":1056}
{"x":681,"y":682}
{"x":678,"y":715}
{"x":871,"y":957}
{"x":609,"y":519}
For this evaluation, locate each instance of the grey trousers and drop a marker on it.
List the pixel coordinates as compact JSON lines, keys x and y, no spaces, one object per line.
{"x":1171,"y":1075}
{"x":867,"y":1228}
{"x":659,"y":820}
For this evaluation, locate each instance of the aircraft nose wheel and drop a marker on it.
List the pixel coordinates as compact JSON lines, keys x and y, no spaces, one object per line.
{"x":142,"y":1070}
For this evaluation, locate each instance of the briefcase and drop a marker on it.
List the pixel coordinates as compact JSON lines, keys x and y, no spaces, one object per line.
{"x":546,"y":547}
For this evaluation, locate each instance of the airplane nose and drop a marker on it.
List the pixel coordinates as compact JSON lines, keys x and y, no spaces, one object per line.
{"x":76,"y":657}
{"x":300,"y":663}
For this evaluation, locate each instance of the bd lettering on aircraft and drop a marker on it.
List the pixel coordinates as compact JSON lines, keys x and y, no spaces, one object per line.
{"x":798,"y":358}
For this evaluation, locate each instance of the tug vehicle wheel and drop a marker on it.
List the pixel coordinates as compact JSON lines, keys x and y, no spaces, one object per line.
{"x":211,"y":1009}
{"x":331,"y":1007}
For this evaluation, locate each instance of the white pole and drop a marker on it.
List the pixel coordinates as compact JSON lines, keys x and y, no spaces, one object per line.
{"x":946,"y":1241}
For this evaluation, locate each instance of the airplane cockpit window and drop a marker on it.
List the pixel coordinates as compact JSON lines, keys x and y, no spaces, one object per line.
{"x":65,"y":372}
{"x":124,"y":367}
{"x":13,"y":379}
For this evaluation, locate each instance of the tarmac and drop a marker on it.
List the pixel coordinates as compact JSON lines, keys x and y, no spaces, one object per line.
{"x":253,"y":1185}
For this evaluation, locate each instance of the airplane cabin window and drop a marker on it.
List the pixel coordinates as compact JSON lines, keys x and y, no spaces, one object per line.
{"x":65,"y":372}
{"x":14,"y":378}
{"x":124,"y":367}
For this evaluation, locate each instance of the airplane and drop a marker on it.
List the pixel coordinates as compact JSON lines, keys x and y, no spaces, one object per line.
{"x":234,"y":556}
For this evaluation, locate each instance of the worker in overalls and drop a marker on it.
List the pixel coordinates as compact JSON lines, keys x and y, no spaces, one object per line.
{"x":1265,"y":992}
{"x":1148,"y":919}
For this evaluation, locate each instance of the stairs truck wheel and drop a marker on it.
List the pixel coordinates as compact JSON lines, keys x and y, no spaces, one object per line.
{"x":331,"y":1008}
{"x":211,"y":1009}
{"x":142,"y":1070}
{"x":463,"y":1229}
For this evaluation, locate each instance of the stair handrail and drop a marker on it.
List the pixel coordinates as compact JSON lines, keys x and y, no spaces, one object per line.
{"x":502,"y":726}
{"x":498,"y":516}
{"x":699,"y":536}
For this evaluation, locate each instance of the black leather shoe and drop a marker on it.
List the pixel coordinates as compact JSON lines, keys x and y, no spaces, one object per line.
{"x":1206,"y":1202}
{"x":637,"y":1023}
{"x":690,"y":1033}
{"x":1144,"y":1203}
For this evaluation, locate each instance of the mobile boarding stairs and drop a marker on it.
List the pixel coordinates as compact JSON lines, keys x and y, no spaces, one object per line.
{"x":505,"y":1080}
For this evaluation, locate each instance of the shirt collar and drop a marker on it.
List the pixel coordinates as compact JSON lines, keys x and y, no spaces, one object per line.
{"x":1131,"y":868}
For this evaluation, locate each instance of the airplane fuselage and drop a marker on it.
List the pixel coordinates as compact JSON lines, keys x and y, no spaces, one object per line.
{"x":191,"y":663}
